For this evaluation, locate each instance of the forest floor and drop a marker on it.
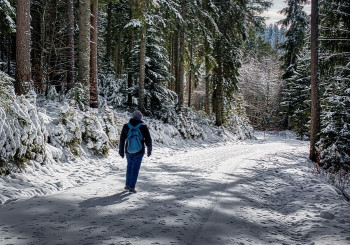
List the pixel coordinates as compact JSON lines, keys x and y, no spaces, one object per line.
{"x":247,"y":192}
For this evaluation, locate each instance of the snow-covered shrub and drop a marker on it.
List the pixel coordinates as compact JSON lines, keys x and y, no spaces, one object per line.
{"x":188,"y":125}
{"x":112,"y":90}
{"x":239,"y":126}
{"x":112,"y":126}
{"x":163,"y":133}
{"x":65,"y":132}
{"x":22,"y":136}
{"x":93,"y":134}
{"x":78,"y":97}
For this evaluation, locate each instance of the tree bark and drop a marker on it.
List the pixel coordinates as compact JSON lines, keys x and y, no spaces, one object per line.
{"x":84,"y":45}
{"x":180,"y":90}
{"x":176,"y":62}
{"x":219,"y":97}
{"x":22,"y":46}
{"x":70,"y":44}
{"x":142,"y":67}
{"x":130,"y":74}
{"x":190,"y":75}
{"x":37,"y":49}
{"x":207,"y":99}
{"x":93,"y":56}
{"x":315,"y":100}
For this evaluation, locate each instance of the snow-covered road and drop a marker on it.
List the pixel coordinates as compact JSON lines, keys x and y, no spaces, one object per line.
{"x":251,"y":192}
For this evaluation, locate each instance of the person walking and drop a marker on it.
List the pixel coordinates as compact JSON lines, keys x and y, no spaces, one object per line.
{"x":133,"y":138}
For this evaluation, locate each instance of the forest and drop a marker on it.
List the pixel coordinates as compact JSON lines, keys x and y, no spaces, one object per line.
{"x":184,"y":63}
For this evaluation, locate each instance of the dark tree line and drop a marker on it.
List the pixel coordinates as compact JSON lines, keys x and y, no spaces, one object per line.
{"x":165,"y":49}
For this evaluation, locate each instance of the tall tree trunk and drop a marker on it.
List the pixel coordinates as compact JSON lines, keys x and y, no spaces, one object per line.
{"x":213,"y":100}
{"x":84,"y":45}
{"x":219,"y":95}
{"x":93,"y":56}
{"x":22,"y":46}
{"x":180,"y":91}
{"x":315,"y":100}
{"x":109,"y":31}
{"x":142,"y":67}
{"x":219,"y":98}
{"x":207,"y":99}
{"x":190,"y":75}
{"x":175,"y":83}
{"x":37,"y":49}
{"x":70,"y":44}
{"x":130,"y":73}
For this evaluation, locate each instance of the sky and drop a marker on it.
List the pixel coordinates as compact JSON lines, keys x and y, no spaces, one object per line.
{"x":277,"y":6}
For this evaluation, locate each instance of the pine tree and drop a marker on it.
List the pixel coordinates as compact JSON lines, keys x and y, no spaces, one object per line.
{"x":296,"y":22}
{"x":93,"y":55}
{"x":315,"y":99}
{"x":84,"y":45}
{"x":335,"y":74}
{"x":299,"y":85}
{"x":23,"y":74}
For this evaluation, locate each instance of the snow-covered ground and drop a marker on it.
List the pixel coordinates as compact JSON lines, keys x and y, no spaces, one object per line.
{"x":245,"y":192}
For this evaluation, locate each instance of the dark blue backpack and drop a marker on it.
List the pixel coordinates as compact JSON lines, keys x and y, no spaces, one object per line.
{"x":134,"y":139}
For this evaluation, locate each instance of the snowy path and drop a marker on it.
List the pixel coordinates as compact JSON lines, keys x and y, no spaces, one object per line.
{"x":258,"y":192}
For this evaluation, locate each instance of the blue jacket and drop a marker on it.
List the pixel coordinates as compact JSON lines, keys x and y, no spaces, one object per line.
{"x":145,"y":133}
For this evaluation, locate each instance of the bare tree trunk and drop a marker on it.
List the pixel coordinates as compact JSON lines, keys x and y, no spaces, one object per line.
{"x":130,"y":74}
{"x":180,"y":91}
{"x":22,"y":46}
{"x":190,"y":75}
{"x":315,"y":100}
{"x":37,"y":49}
{"x":213,"y":100}
{"x":109,"y":31}
{"x":70,"y":44}
{"x":207,"y":99}
{"x":175,"y":83}
{"x":84,"y":45}
{"x":219,"y":97}
{"x":93,"y":56}
{"x":142,"y":67}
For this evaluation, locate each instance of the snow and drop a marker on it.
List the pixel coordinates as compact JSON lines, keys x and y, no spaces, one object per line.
{"x":261,"y":191}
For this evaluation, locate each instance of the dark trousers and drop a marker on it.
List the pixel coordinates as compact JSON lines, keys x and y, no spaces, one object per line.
{"x":132,"y":170}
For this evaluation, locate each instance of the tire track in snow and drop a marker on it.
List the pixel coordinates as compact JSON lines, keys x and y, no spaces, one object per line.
{"x":218,"y":195}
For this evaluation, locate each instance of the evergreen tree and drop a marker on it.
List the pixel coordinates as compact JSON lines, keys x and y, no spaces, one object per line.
{"x":296,"y":22}
{"x":334,"y":144}
{"x":23,"y":74}
{"x":230,"y":37}
{"x":93,"y":55}
{"x":299,"y":85}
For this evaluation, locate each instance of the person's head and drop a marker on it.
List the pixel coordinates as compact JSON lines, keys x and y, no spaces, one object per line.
{"x":137,"y":115}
